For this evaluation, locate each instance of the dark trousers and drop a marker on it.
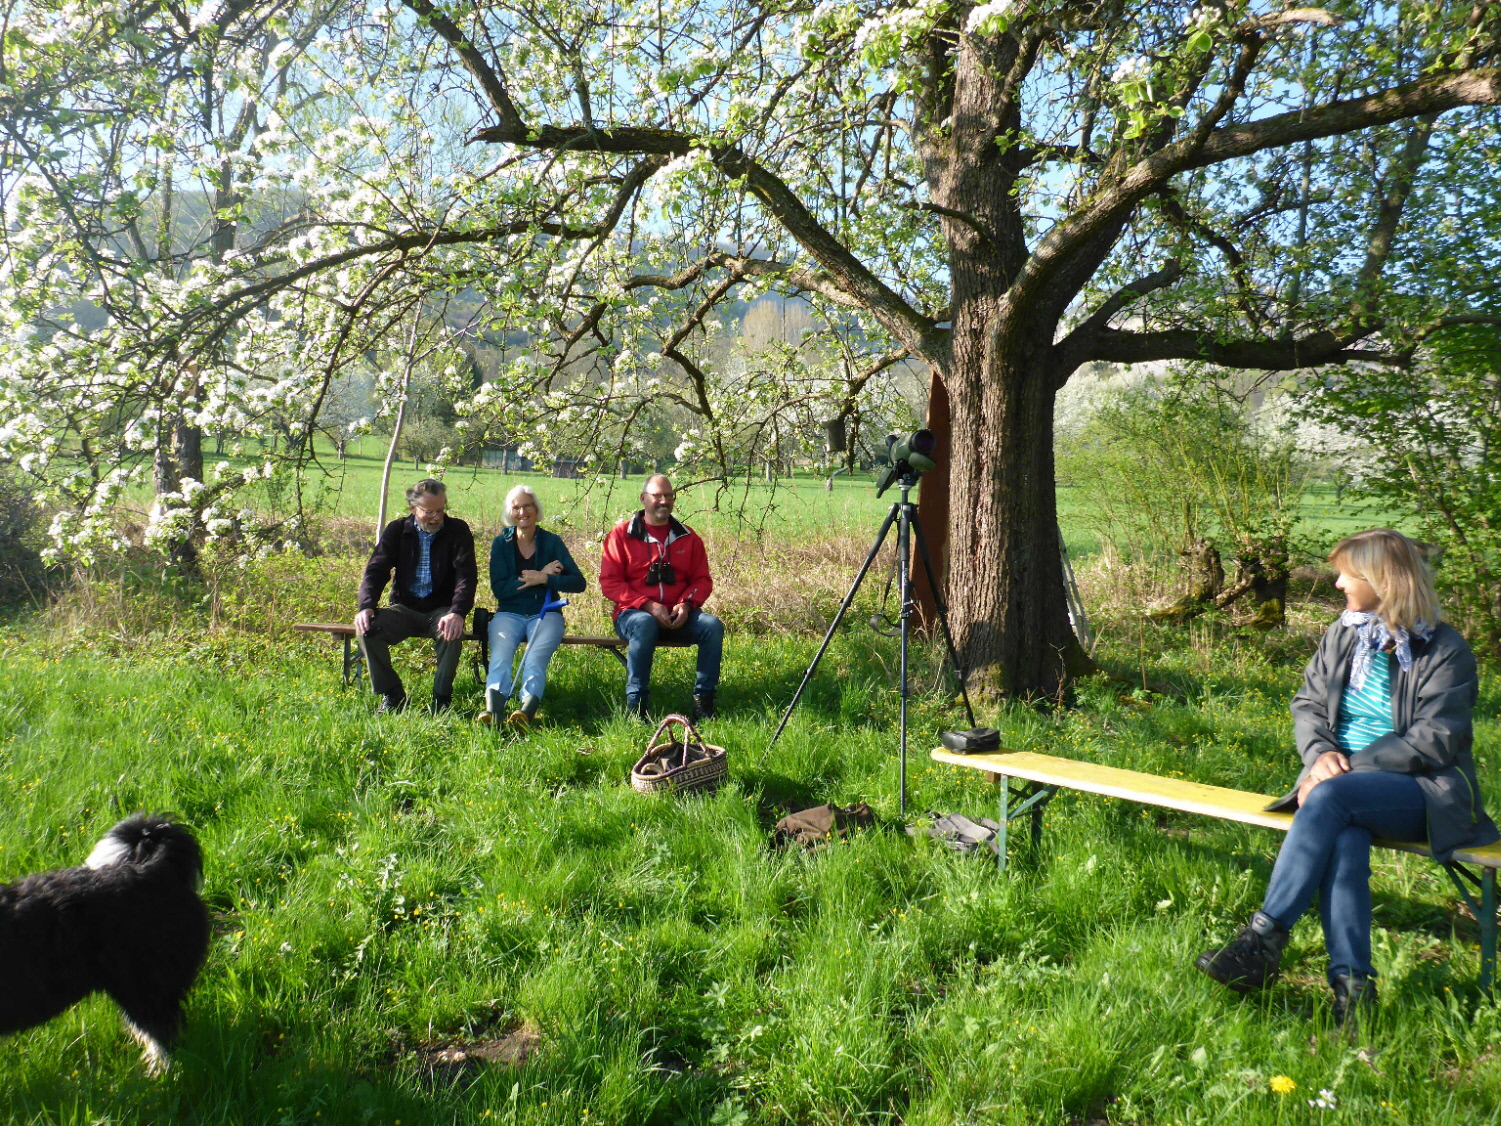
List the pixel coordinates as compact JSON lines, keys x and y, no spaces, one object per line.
{"x":395,"y":623}
{"x":642,"y":634}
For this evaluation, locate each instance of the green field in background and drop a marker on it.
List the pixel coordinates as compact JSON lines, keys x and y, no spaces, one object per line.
{"x":799,"y":506}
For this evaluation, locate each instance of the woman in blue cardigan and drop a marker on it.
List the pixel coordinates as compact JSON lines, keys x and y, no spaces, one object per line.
{"x":526,"y":563}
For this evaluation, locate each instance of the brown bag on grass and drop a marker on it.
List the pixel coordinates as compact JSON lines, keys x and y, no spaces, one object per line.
{"x":814,"y":827}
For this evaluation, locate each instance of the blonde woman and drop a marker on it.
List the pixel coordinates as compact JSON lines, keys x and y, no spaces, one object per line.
{"x":1383,"y":725}
{"x":526,"y":562}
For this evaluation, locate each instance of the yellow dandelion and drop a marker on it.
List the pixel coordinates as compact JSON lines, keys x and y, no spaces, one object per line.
{"x":1282,"y":1084}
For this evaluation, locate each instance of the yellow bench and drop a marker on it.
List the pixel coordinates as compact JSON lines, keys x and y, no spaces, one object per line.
{"x":1045,"y":775}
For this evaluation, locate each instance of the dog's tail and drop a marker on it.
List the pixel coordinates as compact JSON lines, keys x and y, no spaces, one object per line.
{"x":149,"y":842}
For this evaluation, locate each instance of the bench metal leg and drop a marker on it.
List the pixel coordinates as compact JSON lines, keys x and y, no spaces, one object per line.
{"x":1484,"y":911}
{"x":1003,"y":787}
{"x":1487,"y":927}
{"x":1034,"y":799}
{"x":353,"y":658}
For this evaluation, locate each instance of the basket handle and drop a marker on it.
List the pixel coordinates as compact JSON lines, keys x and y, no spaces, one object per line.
{"x":689,"y":732}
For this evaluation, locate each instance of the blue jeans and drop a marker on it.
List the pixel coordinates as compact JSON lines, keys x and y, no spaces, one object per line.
{"x":542,"y":641}
{"x":1328,"y":850}
{"x":642,"y":634}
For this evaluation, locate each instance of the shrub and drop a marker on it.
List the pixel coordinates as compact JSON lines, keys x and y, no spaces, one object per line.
{"x":1433,"y":435}
{"x":24,"y":577}
{"x":1183,"y":469}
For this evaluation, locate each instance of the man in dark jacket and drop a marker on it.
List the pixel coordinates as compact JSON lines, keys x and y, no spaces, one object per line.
{"x":432,"y":554}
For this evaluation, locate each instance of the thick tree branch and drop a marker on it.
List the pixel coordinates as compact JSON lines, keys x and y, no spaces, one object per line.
{"x":1082,"y":338}
{"x":1295,"y":15}
{"x":1314,"y":350}
{"x":1080,"y":257}
{"x":1389,"y":211}
{"x":1432,"y":95}
{"x":474,"y":62}
{"x":226,"y":310}
{"x":855,"y":284}
{"x":846,"y":271}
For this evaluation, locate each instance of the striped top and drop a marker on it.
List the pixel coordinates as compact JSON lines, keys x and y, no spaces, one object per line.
{"x":1365,"y":713}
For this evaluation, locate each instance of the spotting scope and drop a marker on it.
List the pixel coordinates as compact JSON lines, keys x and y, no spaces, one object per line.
{"x":911,"y":455}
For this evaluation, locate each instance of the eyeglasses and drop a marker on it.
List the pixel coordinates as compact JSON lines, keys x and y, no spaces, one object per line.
{"x":427,"y":513}
{"x":661,"y":496}
{"x":523,"y":508}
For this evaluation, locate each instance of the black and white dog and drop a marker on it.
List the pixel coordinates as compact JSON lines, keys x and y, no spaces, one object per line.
{"x":129,"y":922}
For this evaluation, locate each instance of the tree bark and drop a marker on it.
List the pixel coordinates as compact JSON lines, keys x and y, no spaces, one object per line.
{"x":1009,"y":612}
{"x":933,"y":509}
{"x":1012,"y":624}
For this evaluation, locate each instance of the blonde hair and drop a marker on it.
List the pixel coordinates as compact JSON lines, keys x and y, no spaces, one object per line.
{"x":1398,"y":572}
{"x":519,"y":491}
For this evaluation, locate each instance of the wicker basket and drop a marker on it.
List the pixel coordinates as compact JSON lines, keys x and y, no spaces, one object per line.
{"x":679,"y":767}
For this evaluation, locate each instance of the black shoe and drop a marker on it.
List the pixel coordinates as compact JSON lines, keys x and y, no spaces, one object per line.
{"x":1252,"y":959}
{"x":703,"y":706}
{"x":441,"y":703}
{"x":636,"y":707}
{"x":391,"y":703}
{"x":1352,"y":992}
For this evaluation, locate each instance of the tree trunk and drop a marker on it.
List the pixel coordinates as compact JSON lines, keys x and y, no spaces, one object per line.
{"x":401,"y":414}
{"x":187,"y":442}
{"x":1007,"y":606}
{"x":933,"y":509}
{"x":1007,"y":603}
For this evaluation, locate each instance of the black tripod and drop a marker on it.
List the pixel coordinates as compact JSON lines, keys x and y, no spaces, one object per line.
{"x":904,"y":515}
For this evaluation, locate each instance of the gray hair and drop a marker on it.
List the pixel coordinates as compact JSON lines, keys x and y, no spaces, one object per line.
{"x":427,"y":487}
{"x":519,"y":491}
{"x":655,"y":477}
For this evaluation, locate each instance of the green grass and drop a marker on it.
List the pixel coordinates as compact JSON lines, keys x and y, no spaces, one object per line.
{"x":387,"y":888}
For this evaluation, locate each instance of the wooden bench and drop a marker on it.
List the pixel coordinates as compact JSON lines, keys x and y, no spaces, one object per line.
{"x":1045,"y":775}
{"x":353,"y":658}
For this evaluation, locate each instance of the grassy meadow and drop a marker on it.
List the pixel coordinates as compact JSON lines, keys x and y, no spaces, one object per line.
{"x":419,"y":921}
{"x":346,"y":495}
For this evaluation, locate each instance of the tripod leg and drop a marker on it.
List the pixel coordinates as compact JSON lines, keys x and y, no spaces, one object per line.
{"x":870,"y":558}
{"x":960,"y":673}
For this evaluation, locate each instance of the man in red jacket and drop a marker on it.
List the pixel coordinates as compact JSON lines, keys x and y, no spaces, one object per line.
{"x":656,"y":572}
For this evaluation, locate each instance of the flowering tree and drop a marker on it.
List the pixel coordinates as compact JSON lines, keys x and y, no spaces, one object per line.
{"x":1001,"y":193}
{"x":128,"y":148}
{"x":1435,"y":427}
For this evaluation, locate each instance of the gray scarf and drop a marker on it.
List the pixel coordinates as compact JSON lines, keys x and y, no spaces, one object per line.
{"x":1374,"y":635}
